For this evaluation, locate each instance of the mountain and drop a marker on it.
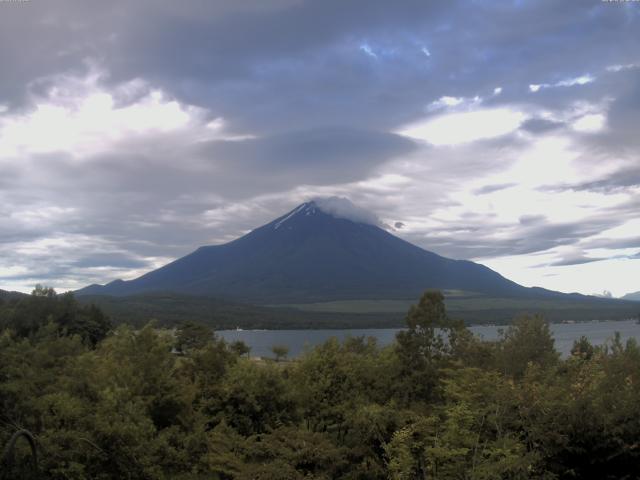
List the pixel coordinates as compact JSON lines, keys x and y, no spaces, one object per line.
{"x":5,"y":295}
{"x":317,"y":252}
{"x":632,"y":296}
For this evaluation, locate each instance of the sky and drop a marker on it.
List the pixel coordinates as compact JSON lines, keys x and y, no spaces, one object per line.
{"x":501,"y":132}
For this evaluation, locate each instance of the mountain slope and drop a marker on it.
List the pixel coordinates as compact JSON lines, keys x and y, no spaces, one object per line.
{"x":4,"y":295}
{"x":310,"y":255}
{"x":632,"y":296}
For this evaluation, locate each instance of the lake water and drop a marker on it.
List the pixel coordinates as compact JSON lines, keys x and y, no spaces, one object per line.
{"x":261,"y":341}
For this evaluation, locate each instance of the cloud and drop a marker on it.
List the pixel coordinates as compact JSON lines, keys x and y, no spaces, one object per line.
{"x":613,"y":243}
{"x":532,"y":219}
{"x":317,"y":157}
{"x":540,"y":125}
{"x":269,"y":54}
{"x":604,"y":294}
{"x":615,"y":181}
{"x":455,"y":128}
{"x":366,"y":48}
{"x":127,"y":144}
{"x":578,"y":260}
{"x":341,"y":207}
{"x":457,"y":103}
{"x":493,"y":188}
{"x":589,"y":123}
{"x":483,"y":237}
{"x":80,"y":116}
{"x":567,"y":82}
{"x":619,"y":68}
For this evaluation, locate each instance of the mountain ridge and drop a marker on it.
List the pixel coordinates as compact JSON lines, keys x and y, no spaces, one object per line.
{"x":634,"y":297}
{"x":309,"y":255}
{"x":6,"y":294}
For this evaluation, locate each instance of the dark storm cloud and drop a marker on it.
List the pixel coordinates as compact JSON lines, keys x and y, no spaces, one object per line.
{"x":266,"y":65}
{"x":308,"y":58}
{"x":620,"y":138}
{"x":319,"y":156}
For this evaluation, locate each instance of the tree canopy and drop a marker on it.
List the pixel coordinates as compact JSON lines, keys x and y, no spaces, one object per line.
{"x":150,"y":403}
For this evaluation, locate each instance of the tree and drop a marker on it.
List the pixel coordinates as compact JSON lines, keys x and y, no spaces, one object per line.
{"x":582,"y":348}
{"x":26,"y":315}
{"x":42,"y":291}
{"x":256,"y":398}
{"x":424,"y":345}
{"x":472,"y":434}
{"x":290,"y":453}
{"x":192,"y":336}
{"x":527,"y":340}
{"x":280,"y":351}
{"x":240,"y":348}
{"x":88,"y":321}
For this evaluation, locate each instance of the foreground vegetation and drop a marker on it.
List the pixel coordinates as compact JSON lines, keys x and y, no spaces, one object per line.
{"x":147,"y":404}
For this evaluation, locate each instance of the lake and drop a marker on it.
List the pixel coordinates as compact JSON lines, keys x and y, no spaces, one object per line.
{"x":261,"y":341}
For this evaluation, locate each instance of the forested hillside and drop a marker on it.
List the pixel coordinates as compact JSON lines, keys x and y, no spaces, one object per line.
{"x":5,"y":295}
{"x":157,"y":404}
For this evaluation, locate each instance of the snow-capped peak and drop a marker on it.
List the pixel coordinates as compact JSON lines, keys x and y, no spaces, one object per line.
{"x":291,"y":214}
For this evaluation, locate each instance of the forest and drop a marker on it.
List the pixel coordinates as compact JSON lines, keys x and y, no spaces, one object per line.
{"x":105,"y":401}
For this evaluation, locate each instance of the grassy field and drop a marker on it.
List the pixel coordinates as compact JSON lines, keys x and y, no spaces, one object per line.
{"x":352,"y":306}
{"x":469,"y":304}
{"x":171,"y":309}
{"x":373,"y":306}
{"x":475,"y":308}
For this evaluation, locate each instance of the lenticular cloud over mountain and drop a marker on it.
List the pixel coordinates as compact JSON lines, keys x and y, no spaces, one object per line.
{"x":341,"y":207}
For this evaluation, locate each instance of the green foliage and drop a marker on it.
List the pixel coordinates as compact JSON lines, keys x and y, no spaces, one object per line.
{"x":256,"y":398}
{"x":42,"y":291}
{"x":582,"y":348}
{"x":285,"y":453}
{"x":528,"y":341}
{"x":25,"y":315}
{"x":192,"y":336}
{"x":439,"y":403}
{"x":424,"y":348}
{"x":240,"y":348}
{"x":280,"y":352}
